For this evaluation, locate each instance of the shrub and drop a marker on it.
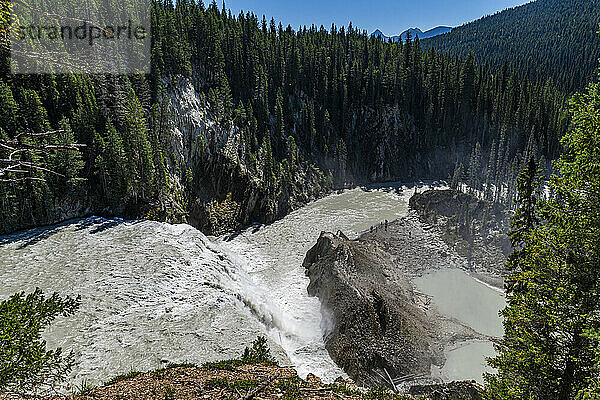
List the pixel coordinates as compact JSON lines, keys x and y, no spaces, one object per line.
{"x":259,"y":353}
{"x":25,"y":364}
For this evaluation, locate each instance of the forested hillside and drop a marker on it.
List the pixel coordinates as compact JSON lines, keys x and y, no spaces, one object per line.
{"x":550,"y":348}
{"x":286,"y":116}
{"x":544,"y":39}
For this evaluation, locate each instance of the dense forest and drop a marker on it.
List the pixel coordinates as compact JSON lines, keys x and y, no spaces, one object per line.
{"x":544,"y":39}
{"x":313,"y":107}
{"x":272,"y":117}
{"x":551,"y":344}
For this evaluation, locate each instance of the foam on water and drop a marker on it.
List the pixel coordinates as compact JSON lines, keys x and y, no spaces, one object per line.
{"x":150,"y":292}
{"x":273,"y":255}
{"x":153,"y":291}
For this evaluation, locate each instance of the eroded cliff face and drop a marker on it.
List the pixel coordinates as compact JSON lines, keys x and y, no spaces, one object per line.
{"x":208,"y":161}
{"x":475,"y":228}
{"x":217,"y":185}
{"x":374,"y":325}
{"x":391,"y":148}
{"x":227,"y":189}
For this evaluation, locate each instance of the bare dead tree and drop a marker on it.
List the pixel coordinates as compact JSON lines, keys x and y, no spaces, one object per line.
{"x":75,"y":65}
{"x":13,"y":168}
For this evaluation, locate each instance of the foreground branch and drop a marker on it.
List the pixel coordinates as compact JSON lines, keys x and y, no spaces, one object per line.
{"x":13,"y":168}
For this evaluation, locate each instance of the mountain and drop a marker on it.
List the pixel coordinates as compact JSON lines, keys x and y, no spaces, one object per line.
{"x":239,"y":123}
{"x":380,"y":34}
{"x":417,"y":33}
{"x":544,"y":39}
{"x":414,"y":33}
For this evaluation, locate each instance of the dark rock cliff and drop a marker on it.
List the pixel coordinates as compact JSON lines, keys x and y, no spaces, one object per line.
{"x":475,"y":228}
{"x":226,"y":190}
{"x":223,"y":192}
{"x":374,"y":325}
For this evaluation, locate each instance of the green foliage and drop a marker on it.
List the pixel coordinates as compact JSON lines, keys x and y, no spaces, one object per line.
{"x":140,"y":165}
{"x":291,"y":388}
{"x":592,"y":391}
{"x":526,"y":37}
{"x":25,"y":364}
{"x":226,"y":365}
{"x":123,"y":157}
{"x":337,"y":100}
{"x":83,"y":389}
{"x":169,"y":394}
{"x":242,"y":384}
{"x":68,"y":164}
{"x":258,"y":353}
{"x":549,"y":349}
{"x":525,"y":218}
{"x":111,"y":169}
{"x":8,"y":110}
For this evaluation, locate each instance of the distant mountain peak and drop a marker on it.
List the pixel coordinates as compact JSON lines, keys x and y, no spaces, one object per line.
{"x":378,"y":33}
{"x":414,"y":33}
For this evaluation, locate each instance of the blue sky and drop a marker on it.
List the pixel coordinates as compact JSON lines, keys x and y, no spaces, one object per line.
{"x":391,"y":16}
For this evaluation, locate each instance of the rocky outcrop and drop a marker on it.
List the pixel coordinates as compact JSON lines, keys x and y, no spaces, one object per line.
{"x":209,"y":162}
{"x":475,"y":228}
{"x":393,"y":148}
{"x":374,"y":323}
{"x":226,"y":187}
{"x":235,"y":379}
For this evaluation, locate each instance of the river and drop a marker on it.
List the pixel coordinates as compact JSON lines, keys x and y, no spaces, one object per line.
{"x":457,"y":294}
{"x":154,"y":292}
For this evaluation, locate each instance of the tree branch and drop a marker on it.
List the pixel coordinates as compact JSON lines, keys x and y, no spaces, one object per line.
{"x":15,"y":166}
{"x":56,"y":16}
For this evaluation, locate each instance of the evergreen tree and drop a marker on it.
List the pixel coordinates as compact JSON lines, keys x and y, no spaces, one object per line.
{"x":328,"y":90}
{"x":116,"y":177}
{"x":467,"y":82}
{"x":8,"y":110}
{"x":25,"y":364}
{"x":66,"y":163}
{"x":138,"y":150}
{"x":553,"y":289}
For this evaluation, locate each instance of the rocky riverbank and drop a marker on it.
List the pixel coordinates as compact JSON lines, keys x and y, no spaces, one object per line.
{"x":377,"y":327}
{"x":237,"y":380}
{"x":475,"y":229}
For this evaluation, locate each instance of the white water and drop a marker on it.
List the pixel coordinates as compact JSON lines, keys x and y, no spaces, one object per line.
{"x":150,"y":292}
{"x":274,"y":256}
{"x":153,"y":291}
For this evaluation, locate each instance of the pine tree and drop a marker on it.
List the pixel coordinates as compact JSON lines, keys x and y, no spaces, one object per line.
{"x":137,"y":147}
{"x":457,"y":178}
{"x":474,"y":169}
{"x":322,"y":88}
{"x":116,"y":173}
{"x":68,"y":164}
{"x":279,"y":125}
{"x":552,"y":291}
{"x":8,"y":110}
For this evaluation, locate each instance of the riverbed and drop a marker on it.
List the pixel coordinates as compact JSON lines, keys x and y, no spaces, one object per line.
{"x":154,"y":293}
